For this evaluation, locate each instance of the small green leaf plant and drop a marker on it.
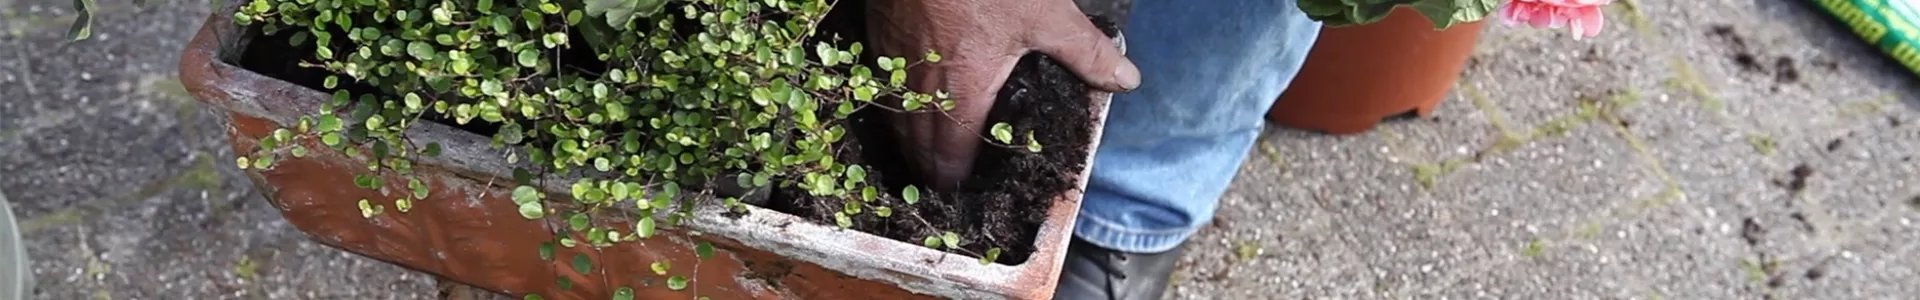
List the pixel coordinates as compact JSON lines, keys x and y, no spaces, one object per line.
{"x":647,"y":100}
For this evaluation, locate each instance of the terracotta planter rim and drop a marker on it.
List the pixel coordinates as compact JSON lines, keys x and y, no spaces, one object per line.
{"x":208,"y":71}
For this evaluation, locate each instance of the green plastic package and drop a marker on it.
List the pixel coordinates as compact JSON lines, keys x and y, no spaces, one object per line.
{"x":1887,"y":24}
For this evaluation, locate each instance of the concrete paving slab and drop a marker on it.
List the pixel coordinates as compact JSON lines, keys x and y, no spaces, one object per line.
{"x":1688,"y":192}
{"x":125,"y":183}
{"x":1712,"y":149}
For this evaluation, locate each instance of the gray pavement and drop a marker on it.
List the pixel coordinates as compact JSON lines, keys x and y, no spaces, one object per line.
{"x":1676,"y":181}
{"x":1686,"y":190}
{"x":125,"y":183}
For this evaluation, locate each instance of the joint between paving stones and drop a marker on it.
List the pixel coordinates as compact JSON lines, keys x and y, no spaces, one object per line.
{"x":1492,"y":112}
{"x":1631,"y":9}
{"x":1608,"y":111}
{"x":1590,"y":229}
{"x":1868,"y":107}
{"x":202,"y":175}
{"x":1507,"y":139}
{"x":1688,"y":80}
{"x":1671,"y":187}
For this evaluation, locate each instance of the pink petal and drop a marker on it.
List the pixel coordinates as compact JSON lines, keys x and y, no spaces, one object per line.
{"x":1546,"y":17}
{"x":1510,"y":14}
{"x":1587,"y":22}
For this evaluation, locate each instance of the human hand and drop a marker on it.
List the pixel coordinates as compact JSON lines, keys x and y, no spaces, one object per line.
{"x":980,"y":41}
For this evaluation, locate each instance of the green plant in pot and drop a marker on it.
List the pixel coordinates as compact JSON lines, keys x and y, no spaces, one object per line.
{"x":636,"y":145}
{"x":1378,"y":59}
{"x":1443,"y":13}
{"x":1583,"y":16}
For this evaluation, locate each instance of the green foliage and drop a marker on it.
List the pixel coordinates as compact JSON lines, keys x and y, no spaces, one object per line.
{"x":582,"y":264}
{"x":624,"y":293}
{"x":661,"y":267}
{"x":1003,"y":132}
{"x":677,"y":282}
{"x":992,"y":255}
{"x":911,"y":194}
{"x":82,"y":27}
{"x":704,"y":250}
{"x":647,"y":97}
{"x":746,"y":94}
{"x":1443,"y":13}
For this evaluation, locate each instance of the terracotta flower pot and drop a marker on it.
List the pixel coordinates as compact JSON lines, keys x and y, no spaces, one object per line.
{"x":469,"y":231}
{"x":1357,"y":75}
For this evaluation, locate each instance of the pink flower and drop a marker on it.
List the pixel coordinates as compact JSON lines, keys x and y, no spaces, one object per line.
{"x":1583,"y":16}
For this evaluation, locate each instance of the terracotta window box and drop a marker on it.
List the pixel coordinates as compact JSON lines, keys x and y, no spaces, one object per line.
{"x":470,"y":232}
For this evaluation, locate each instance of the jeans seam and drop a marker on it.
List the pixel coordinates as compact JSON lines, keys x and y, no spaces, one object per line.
{"x":1106,"y":237}
{"x":1115,"y":227}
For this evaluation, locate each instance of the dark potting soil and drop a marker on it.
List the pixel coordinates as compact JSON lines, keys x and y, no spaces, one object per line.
{"x":1007,"y":198}
{"x":1002,"y":205}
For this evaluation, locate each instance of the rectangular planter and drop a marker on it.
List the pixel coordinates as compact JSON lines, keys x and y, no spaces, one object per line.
{"x":469,"y":230}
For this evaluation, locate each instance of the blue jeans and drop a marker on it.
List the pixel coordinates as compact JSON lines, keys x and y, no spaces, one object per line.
{"x":1209,"y":71}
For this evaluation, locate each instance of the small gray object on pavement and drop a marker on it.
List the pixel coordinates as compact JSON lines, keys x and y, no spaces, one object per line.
{"x":16,"y":276}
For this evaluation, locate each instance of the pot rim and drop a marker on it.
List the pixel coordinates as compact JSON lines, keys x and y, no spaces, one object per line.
{"x":209,"y":74}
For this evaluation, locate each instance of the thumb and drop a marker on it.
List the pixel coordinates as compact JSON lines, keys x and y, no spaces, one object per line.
{"x":1068,"y":36}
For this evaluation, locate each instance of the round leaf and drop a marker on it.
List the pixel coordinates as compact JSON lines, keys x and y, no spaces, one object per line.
{"x":263,"y":162}
{"x":582,"y":264}
{"x":532,"y":210}
{"x":578,"y":221}
{"x":644,"y":227}
{"x":661,"y":267}
{"x":419,"y":188}
{"x":529,"y":58}
{"x":951,"y":239}
{"x":857,"y":173}
{"x":704,"y":250}
{"x":1003,"y":132}
{"x":525,"y":194}
{"x":331,"y":139}
{"x":624,"y":293}
{"x":420,"y":50}
{"x":677,"y":282}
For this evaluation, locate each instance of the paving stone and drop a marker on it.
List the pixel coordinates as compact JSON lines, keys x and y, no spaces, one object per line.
{"x":1655,"y":205}
{"x":1686,"y":190}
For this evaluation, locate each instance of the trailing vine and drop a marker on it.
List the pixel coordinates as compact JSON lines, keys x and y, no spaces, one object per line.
{"x":649,"y":100}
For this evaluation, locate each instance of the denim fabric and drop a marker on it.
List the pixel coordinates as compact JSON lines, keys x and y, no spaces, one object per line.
{"x":1209,"y":71}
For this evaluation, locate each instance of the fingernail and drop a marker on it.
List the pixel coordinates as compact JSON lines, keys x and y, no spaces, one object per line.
{"x":1127,"y":75}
